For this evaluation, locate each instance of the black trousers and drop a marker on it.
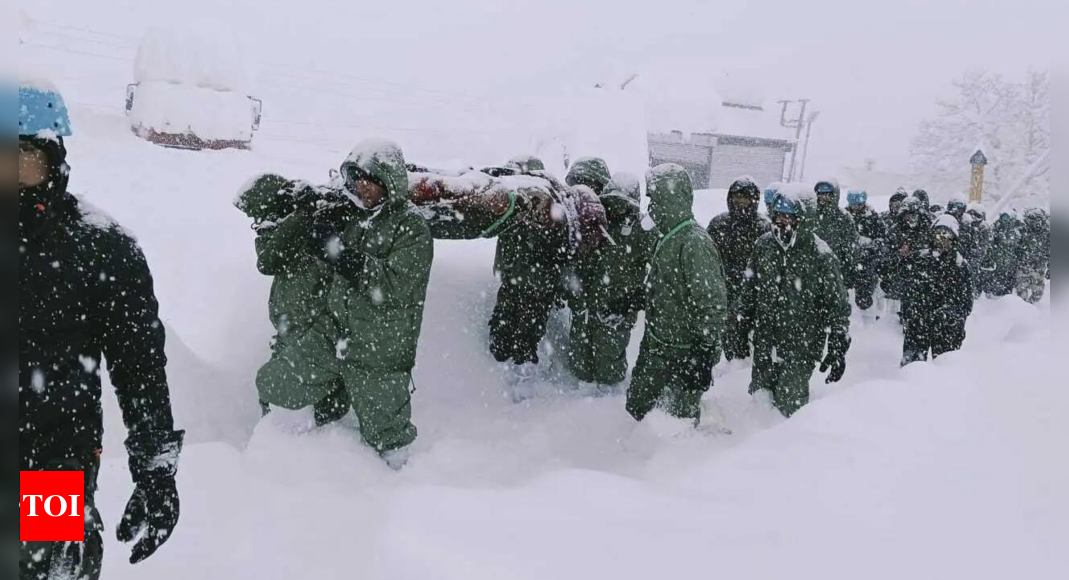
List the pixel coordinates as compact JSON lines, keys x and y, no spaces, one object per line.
{"x":519,"y":322}
{"x":62,"y":560}
{"x":939,"y":337}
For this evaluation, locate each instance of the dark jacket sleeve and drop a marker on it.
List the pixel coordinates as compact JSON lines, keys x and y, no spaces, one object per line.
{"x":836,"y":307}
{"x":133,"y":338}
{"x":747,"y":306}
{"x":963,"y":292}
{"x":707,"y":291}
{"x":279,"y":245}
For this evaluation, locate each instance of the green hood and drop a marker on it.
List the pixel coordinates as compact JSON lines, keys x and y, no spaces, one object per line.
{"x":268,"y":197}
{"x":590,"y":171}
{"x":384,"y":163}
{"x":622,"y":198}
{"x":625,"y":185}
{"x":525,"y":164}
{"x":671,"y":196}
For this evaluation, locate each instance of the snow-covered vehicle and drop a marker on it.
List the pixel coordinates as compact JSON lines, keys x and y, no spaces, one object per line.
{"x":190,"y":92}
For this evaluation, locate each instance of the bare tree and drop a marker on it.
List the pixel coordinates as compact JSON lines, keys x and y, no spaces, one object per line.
{"x":1010,"y":121}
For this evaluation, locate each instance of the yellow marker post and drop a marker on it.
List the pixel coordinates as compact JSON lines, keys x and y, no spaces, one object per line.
{"x":976,"y":183}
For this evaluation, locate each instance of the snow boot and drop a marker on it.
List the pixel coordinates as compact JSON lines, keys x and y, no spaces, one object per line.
{"x":396,"y":459}
{"x":521,"y":381}
{"x":603,"y":390}
{"x":332,"y":407}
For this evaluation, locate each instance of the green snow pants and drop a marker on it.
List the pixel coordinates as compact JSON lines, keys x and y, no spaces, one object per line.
{"x":786,"y":380}
{"x":598,"y":352}
{"x":673,"y":378}
{"x":307,"y":370}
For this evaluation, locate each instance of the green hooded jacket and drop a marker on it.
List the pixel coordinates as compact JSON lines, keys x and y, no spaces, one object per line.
{"x":835,"y":226}
{"x":613,"y":277}
{"x":592,"y":172}
{"x":686,"y":300}
{"x":282,"y":218}
{"x":794,"y":299}
{"x":381,"y":303}
{"x":531,"y":257}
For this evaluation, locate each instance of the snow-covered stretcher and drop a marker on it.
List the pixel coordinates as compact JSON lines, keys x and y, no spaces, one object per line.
{"x":475,"y":204}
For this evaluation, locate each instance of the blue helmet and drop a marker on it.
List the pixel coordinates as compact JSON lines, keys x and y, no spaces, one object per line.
{"x":771,"y":192}
{"x":857,"y":197}
{"x":783,"y":204}
{"x":42,"y":113}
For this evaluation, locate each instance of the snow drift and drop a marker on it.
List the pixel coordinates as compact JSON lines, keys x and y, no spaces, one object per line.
{"x":947,"y":469}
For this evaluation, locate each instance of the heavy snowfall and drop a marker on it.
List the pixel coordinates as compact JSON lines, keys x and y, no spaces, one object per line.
{"x":952,"y":468}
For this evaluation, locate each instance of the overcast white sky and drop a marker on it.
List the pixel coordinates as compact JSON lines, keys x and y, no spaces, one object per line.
{"x":873,"y":69}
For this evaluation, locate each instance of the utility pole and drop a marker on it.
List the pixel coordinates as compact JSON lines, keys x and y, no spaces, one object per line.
{"x":797,"y":125}
{"x":808,"y":129}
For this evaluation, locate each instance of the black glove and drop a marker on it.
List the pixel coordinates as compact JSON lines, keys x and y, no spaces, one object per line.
{"x":837,"y":364}
{"x":863,"y":302}
{"x":152,"y":512}
{"x":151,"y":515}
{"x":326,"y":228}
{"x":350,"y":263}
{"x":838,"y":344}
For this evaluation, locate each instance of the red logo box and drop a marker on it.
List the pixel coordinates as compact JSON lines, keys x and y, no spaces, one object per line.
{"x":51,"y":506}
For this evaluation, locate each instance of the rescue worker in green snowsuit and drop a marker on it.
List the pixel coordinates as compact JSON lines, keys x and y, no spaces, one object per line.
{"x":795,"y":301}
{"x":383,"y":255}
{"x":1034,"y":252}
{"x":1002,"y":263}
{"x":686,"y":304}
{"x":529,"y":263}
{"x":611,"y":288}
{"x":284,"y":213}
{"x":835,"y":226}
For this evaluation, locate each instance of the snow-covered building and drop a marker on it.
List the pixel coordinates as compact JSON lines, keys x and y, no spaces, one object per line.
{"x":745,"y":139}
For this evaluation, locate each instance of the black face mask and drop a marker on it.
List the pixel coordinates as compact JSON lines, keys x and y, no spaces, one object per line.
{"x":619,"y":209}
{"x":742,"y":206}
{"x":785,"y":232}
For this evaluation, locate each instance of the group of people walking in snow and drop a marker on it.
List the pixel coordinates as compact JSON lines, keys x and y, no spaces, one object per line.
{"x":350,"y":263}
{"x":351,"y":269}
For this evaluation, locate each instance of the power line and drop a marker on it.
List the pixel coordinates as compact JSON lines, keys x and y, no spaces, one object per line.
{"x":334,"y":76}
{"x":132,"y":39}
{"x":81,"y":52}
{"x":81,"y":39}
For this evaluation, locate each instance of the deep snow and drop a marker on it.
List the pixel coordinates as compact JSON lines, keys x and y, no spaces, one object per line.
{"x":951,"y":469}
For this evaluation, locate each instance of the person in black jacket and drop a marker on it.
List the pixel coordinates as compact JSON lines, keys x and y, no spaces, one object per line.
{"x":893,"y":205}
{"x":85,"y":294}
{"x":734,"y":233}
{"x":871,"y":243}
{"x":937,"y":296}
{"x":907,"y":237}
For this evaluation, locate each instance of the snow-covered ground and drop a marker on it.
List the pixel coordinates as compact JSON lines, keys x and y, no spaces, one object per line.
{"x":952,"y":469}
